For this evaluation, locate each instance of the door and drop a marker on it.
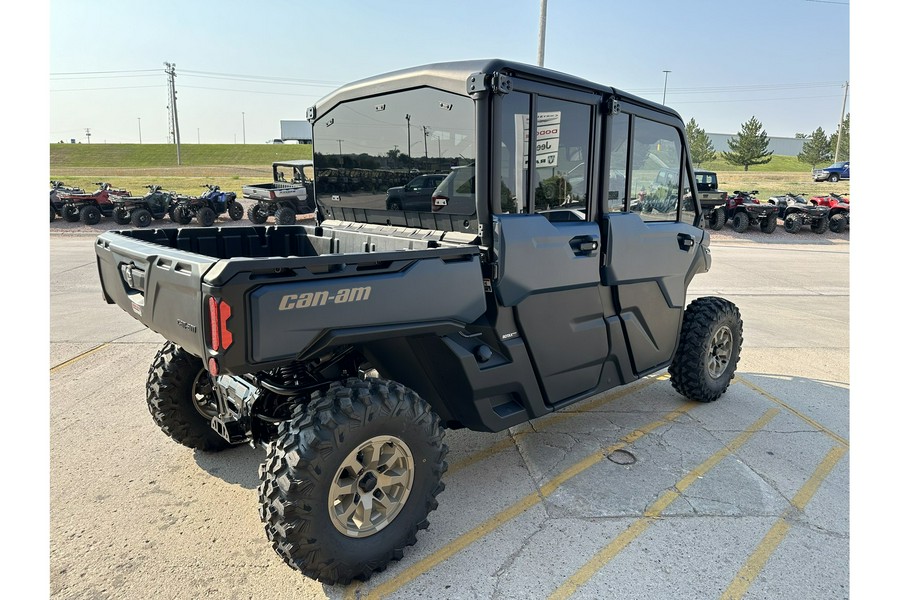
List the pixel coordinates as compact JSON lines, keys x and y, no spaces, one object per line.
{"x":547,"y":242}
{"x":651,"y":245}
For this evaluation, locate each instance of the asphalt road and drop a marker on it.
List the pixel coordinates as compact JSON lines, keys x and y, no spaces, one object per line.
{"x":634,"y":493}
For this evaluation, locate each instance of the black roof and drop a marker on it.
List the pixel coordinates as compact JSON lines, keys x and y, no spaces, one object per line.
{"x":453,"y":76}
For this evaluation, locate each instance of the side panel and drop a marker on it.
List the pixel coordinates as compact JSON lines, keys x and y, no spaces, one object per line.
{"x":286,"y":318}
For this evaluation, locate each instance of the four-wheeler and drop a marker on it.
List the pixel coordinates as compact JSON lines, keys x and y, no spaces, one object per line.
{"x":349,"y":345}
{"x":744,"y":210}
{"x":282,"y":199}
{"x":140,"y":211}
{"x":796,"y":212}
{"x":838,"y":210}
{"x":206,"y":207}
{"x":90,"y":208}
{"x":56,"y":204}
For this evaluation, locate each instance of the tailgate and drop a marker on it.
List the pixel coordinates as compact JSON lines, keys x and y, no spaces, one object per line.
{"x":158,"y":286}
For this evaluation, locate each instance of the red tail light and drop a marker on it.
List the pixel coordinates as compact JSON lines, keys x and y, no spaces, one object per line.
{"x":219,"y":313}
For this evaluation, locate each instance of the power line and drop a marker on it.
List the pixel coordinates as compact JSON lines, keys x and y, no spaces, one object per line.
{"x":132,"y":87}
{"x":107,"y":72}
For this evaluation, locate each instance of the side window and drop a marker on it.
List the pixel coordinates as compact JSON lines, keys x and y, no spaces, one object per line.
{"x":688,"y":207}
{"x":655,"y":170}
{"x":514,"y":153}
{"x":618,"y":163}
{"x":561,"y":154}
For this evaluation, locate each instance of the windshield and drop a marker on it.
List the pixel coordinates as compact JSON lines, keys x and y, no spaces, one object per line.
{"x":372,"y":153}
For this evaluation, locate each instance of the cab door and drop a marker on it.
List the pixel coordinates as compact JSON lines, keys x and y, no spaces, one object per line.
{"x":652,"y":244}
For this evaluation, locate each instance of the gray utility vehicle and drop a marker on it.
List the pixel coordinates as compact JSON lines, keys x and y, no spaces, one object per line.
{"x":711,"y":198}
{"x":348,"y":346}
{"x":283,"y":198}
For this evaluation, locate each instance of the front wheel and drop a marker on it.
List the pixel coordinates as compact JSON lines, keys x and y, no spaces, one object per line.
{"x":819,"y":225}
{"x":351,"y":478}
{"x":709,"y":349}
{"x":236,"y":211}
{"x":52,"y":213}
{"x":181,"y":399}
{"x":837,"y":223}
{"x":141,"y":218}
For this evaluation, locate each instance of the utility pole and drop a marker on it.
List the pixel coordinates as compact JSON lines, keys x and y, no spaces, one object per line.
{"x":244,"y":126}
{"x":542,"y":28}
{"x":408,"y":139}
{"x":87,"y":134}
{"x":173,"y":111}
{"x":425,"y":137}
{"x":837,"y":148}
{"x":665,"y":86}
{"x":139,"y":131}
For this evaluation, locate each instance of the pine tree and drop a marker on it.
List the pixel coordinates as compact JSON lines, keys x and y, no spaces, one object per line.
{"x":701,"y":146}
{"x":816,"y":149}
{"x":750,"y":147}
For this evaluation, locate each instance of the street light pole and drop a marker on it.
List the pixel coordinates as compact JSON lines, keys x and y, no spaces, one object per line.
{"x":139,"y":131}
{"x":665,"y":85}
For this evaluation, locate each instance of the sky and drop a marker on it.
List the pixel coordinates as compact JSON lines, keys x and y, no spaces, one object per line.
{"x":242,"y":67}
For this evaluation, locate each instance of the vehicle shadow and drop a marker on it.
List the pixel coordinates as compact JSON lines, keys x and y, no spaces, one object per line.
{"x":238,"y":465}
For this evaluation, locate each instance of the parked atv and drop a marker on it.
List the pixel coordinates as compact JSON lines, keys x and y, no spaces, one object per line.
{"x":744,"y":210}
{"x":797,"y":211}
{"x":140,"y":211}
{"x":838,"y":210}
{"x":206,"y":207}
{"x":56,"y":203}
{"x":89,"y":208}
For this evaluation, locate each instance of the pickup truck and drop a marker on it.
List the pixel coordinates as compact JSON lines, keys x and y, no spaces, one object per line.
{"x":349,"y":345}
{"x":286,"y":196}
{"x":837,"y":172}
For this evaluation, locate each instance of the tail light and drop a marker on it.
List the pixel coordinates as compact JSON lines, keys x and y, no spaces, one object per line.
{"x":438,"y":202}
{"x":219,"y":313}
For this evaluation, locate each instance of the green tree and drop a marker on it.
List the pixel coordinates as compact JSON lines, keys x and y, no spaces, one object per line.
{"x":750,"y":147}
{"x":816,"y":149}
{"x":844,"y":151}
{"x":701,"y":146}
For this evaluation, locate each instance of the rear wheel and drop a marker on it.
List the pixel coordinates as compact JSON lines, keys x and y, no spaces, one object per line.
{"x":837,"y":223}
{"x":717,"y":219}
{"x":90,"y":215}
{"x":121,"y":216}
{"x":206,"y":216}
{"x":52,"y":213}
{"x":181,"y":399}
{"x":793,"y":222}
{"x":70,"y":213}
{"x":834,"y":178}
{"x":709,"y":349}
{"x":351,"y":478}
{"x":258,"y":214}
{"x":141,"y":217}
{"x":768,"y":224}
{"x":741,"y":221}
{"x":285,"y":216}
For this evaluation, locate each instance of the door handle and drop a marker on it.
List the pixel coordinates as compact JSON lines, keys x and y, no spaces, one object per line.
{"x":685,"y":241}
{"x":584,"y":245}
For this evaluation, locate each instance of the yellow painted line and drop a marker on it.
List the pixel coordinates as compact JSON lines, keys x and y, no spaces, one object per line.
{"x":546,"y":421}
{"x":590,"y":568}
{"x":79,"y":357}
{"x":773,"y":538}
{"x":511,"y":512}
{"x":793,"y":411}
